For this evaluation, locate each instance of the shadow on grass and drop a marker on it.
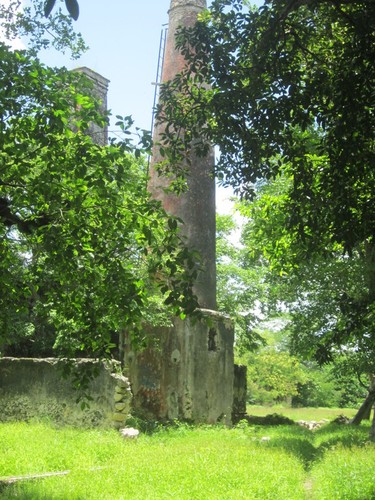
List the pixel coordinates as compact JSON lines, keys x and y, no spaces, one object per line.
{"x":310,"y":446}
{"x":8,"y":490}
{"x":303,"y":449}
{"x":346,"y":436}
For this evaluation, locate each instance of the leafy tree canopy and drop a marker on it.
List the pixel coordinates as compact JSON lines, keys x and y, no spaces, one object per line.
{"x":290,"y":317}
{"x":291,"y":86}
{"x":28,"y":22}
{"x":327,"y":296}
{"x":84,"y":250}
{"x":242,"y":290}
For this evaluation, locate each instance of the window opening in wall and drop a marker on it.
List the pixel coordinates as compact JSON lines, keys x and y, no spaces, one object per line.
{"x":212,"y":340}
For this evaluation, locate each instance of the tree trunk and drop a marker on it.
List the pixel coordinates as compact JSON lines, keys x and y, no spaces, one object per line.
{"x":370,"y":269}
{"x":367,"y":414}
{"x":364,"y":411}
{"x":365,"y":407}
{"x":372,"y":431}
{"x":370,"y":261}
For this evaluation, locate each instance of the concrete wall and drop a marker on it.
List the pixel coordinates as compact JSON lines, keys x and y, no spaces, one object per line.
{"x":34,"y":388}
{"x":187,"y":373}
{"x":239,"y":392}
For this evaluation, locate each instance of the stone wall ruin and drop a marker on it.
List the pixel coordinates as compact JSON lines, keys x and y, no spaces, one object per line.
{"x":34,"y":389}
{"x":187,"y":373}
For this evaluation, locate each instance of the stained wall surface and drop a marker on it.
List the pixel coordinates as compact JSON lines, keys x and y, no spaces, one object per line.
{"x":99,"y":91}
{"x":35,"y":389}
{"x":187,"y":373}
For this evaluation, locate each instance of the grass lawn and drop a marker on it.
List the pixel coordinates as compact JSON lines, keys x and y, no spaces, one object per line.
{"x":302,"y":413}
{"x":189,"y":463}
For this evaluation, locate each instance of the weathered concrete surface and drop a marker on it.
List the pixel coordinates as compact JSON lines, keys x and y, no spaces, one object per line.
{"x":35,"y":389}
{"x":187,"y":373}
{"x":239,"y":392}
{"x":196,"y":207}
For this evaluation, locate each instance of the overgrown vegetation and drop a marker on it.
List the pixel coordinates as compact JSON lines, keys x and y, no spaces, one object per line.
{"x":186,"y":462}
{"x":286,"y":92}
{"x":85,"y":253}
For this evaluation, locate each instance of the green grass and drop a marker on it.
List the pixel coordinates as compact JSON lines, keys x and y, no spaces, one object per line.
{"x":178,"y":463}
{"x":345,"y":473}
{"x":189,"y":463}
{"x":301,"y":413}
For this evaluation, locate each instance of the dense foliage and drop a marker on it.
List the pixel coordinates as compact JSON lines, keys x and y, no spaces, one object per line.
{"x":291,"y":87}
{"x":326,"y":294}
{"x":281,"y":322}
{"x":84,"y":251}
{"x":290,"y":103}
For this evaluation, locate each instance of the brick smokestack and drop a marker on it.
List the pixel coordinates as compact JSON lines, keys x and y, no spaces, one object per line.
{"x":196,"y":207}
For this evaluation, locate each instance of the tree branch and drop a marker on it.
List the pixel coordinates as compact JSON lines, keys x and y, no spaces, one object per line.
{"x":296,"y":4}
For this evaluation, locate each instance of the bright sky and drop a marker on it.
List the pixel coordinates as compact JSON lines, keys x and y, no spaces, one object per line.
{"x":123,"y":36}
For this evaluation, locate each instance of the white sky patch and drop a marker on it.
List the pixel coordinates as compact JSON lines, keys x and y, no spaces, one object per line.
{"x":276,"y":324}
{"x":225,"y":205}
{"x":17,"y":43}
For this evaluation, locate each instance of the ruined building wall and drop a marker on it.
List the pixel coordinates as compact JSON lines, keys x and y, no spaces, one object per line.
{"x":35,"y":389}
{"x":187,"y":372}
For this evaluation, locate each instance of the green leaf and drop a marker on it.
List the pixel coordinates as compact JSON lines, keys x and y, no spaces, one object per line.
{"x":48,"y":6}
{"x":172,"y":223}
{"x":73,"y":8}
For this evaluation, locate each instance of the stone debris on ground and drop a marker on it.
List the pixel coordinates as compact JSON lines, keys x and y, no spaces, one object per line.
{"x":265,"y":439}
{"x":129,"y":433}
{"x":312,"y":425}
{"x":341,"y":419}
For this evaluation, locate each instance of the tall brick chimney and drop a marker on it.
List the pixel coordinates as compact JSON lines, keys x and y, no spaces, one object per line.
{"x":196,"y":207}
{"x":187,"y":370}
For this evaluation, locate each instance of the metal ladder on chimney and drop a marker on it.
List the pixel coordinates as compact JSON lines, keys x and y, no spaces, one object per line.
{"x":159,"y":71}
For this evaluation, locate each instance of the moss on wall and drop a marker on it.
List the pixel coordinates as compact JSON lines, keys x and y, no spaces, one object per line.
{"x":36,"y":389}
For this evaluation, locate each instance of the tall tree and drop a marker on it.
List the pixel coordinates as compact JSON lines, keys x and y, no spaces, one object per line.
{"x":290,"y":92}
{"x":290,"y":82}
{"x":83,"y":247}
